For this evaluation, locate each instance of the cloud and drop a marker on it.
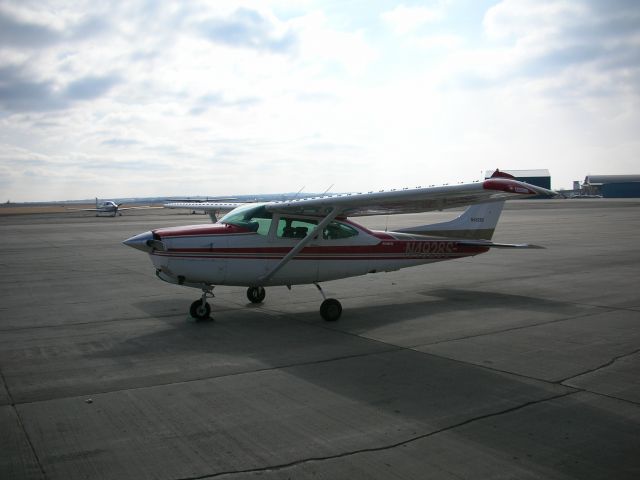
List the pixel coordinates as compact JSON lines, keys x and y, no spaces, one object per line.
{"x":247,"y":28}
{"x":17,"y":33}
{"x":403,"y":20}
{"x":19,"y":94}
{"x":30,"y":29}
{"x":322,"y":48}
{"x":217,"y":100}
{"x":121,"y":142}
{"x":90,"y":87}
{"x":89,"y":28}
{"x":567,"y":33}
{"x":578,"y":46}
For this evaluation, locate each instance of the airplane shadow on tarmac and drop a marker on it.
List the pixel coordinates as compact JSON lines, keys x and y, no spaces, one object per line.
{"x":460,"y":309}
{"x":266,"y":333}
{"x":371,"y":391}
{"x":386,"y":393}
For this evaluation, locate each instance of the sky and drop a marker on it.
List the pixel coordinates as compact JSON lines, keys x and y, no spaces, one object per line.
{"x":143,"y":98}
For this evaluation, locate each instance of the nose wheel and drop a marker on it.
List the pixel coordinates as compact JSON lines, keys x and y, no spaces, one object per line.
{"x":200,"y":309}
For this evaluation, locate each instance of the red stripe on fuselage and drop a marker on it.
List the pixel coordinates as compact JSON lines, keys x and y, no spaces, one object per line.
{"x":226,"y":229}
{"x":384,"y":250}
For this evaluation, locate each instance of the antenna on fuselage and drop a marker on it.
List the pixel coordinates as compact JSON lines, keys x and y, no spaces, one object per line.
{"x":296,"y":195}
{"x":325,"y":192}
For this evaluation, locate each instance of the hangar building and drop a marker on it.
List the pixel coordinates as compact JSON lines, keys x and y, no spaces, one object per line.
{"x":612,"y":186}
{"x":540,"y":178}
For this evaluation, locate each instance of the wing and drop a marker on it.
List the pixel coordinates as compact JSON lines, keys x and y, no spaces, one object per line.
{"x":141,"y":207}
{"x":206,"y":206}
{"x":83,"y":209}
{"x":411,"y":200}
{"x":212,"y":208}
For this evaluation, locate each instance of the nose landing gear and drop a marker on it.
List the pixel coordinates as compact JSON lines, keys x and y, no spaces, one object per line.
{"x":200,"y":310}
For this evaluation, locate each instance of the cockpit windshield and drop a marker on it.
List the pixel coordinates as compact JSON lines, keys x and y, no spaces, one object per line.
{"x":252,"y":216}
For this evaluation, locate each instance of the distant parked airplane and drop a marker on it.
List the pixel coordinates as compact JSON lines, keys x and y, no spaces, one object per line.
{"x":110,"y":207}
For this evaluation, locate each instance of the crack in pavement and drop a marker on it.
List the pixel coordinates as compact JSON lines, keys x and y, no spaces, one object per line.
{"x":510,"y":329}
{"x":407,"y":441}
{"x":604,"y":365}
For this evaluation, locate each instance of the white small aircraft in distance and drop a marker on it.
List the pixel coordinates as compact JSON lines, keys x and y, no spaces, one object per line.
{"x":111,"y":208}
{"x":312,"y":240}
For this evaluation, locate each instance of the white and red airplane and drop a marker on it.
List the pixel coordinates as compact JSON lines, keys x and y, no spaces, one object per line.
{"x":312,"y":240}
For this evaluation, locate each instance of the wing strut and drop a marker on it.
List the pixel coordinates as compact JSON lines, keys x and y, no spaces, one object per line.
{"x":300,"y":245}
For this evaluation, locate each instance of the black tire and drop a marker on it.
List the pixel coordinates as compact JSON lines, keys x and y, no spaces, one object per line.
{"x":256,"y":294}
{"x":331,"y":309}
{"x":200,"y":311}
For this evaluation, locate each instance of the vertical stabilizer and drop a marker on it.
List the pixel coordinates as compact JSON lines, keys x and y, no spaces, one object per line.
{"x":477,"y":222}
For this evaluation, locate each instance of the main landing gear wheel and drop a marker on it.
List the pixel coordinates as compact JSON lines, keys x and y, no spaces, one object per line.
{"x":256,"y":294}
{"x":200,"y":310}
{"x":331,"y":309}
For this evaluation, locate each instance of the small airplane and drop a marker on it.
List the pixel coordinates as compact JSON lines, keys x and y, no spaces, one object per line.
{"x":312,"y":240}
{"x":111,"y":207}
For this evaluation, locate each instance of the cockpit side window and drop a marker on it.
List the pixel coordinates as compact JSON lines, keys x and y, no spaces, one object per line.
{"x":254,"y":218}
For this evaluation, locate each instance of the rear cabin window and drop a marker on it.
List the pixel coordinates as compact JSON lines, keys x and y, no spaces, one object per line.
{"x":295,"y":227}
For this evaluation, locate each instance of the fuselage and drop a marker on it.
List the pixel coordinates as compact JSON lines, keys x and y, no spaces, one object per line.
{"x":107,"y":207}
{"x":240,"y":253}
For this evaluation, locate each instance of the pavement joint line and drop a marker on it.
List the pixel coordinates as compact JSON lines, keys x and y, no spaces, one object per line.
{"x":606,"y":395}
{"x":80,"y":324}
{"x":106,"y":321}
{"x":510,"y":329}
{"x":493,"y":369}
{"x":381,"y":448}
{"x":612,"y":307}
{"x":211,"y":377}
{"x":551,"y":382}
{"x":411,"y":349}
{"x":22,"y":427}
